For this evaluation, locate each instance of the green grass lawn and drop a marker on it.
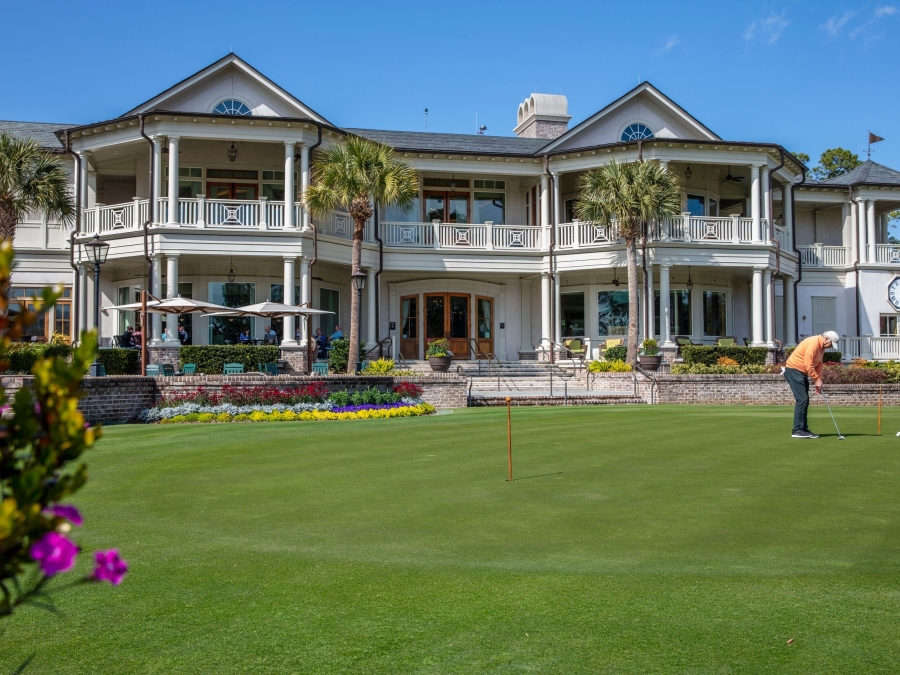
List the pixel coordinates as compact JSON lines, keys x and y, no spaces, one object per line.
{"x":635,"y":540}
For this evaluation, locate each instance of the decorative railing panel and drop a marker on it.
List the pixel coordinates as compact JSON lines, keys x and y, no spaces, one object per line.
{"x":460,"y":235}
{"x":809,"y":256}
{"x":887,"y":254}
{"x":275,"y":216}
{"x":408,"y":235}
{"x":232,"y":213}
{"x":510,"y":237}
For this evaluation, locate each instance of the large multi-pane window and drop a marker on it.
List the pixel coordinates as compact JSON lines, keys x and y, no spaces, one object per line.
{"x":679,"y":313}
{"x":612,"y":312}
{"x":224,"y":330}
{"x":571,"y":306}
{"x":30,"y":298}
{"x":276,"y":294}
{"x":889,"y":325}
{"x":489,"y":206}
{"x":714,"y":313}
{"x":394,"y":214}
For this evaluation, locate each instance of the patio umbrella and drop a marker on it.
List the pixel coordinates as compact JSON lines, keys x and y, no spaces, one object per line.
{"x":132,"y":307}
{"x":276,"y":310}
{"x":181,"y":305}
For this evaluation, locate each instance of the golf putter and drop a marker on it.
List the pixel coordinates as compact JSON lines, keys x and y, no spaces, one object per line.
{"x":840,"y":437}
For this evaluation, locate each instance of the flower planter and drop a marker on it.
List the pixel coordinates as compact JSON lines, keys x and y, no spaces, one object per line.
{"x":649,"y":363}
{"x":440,"y":364}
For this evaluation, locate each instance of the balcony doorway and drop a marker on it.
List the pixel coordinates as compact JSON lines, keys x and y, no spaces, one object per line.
{"x":241,"y":191}
{"x":447,"y":207}
{"x":571,"y":307}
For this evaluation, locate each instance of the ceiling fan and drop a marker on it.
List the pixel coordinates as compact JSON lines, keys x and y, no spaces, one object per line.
{"x":729,"y":177}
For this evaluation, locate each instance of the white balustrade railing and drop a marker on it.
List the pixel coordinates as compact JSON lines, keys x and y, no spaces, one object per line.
{"x":232,"y":213}
{"x":566,"y":235}
{"x":275,"y":216}
{"x":809,"y":256}
{"x":887,"y":254}
{"x":462,"y":235}
{"x":408,"y":235}
{"x":118,"y":217}
{"x":745,"y":229}
{"x":523,"y":237}
{"x":869,"y":347}
{"x":781,"y":236}
{"x":819,"y":255}
{"x":850,"y":347}
{"x":884,"y":348}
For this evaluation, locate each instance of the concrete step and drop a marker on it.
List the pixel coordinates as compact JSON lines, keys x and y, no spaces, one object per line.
{"x":544,"y":399}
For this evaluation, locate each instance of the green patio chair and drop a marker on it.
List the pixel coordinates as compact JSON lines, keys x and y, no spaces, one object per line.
{"x":320,"y":367}
{"x":189,"y":369}
{"x":726,"y":341}
{"x":271,"y":369}
{"x":233,"y":369}
{"x":575,"y":347}
{"x":168,"y":370}
{"x":152,"y":371}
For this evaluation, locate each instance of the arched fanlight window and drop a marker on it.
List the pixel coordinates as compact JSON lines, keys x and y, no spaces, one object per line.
{"x":231,"y":106}
{"x":637,"y":132}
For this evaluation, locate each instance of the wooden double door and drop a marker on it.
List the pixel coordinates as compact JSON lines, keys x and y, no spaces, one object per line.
{"x":449,"y":316}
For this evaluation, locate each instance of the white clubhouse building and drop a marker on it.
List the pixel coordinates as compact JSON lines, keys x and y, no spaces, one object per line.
{"x":214,"y":167}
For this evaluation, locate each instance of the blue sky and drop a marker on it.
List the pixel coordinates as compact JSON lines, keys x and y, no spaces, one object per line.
{"x":809,"y":75}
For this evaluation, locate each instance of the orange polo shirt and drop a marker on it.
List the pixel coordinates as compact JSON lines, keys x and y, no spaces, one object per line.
{"x":807,"y":357}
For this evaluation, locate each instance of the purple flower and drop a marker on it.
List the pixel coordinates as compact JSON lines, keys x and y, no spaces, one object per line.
{"x":37,"y":408}
{"x":54,"y":553}
{"x":66,"y":511}
{"x":110,"y":567}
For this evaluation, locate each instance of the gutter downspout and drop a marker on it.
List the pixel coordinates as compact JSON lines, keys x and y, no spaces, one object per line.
{"x":796,"y":252}
{"x":77,"y":282}
{"x":315,"y":258}
{"x":151,"y":213}
{"x":552,"y":210}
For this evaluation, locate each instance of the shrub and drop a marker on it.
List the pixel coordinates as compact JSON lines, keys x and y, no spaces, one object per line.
{"x":23,"y":355}
{"x":608,"y":367}
{"x":408,"y":390}
{"x":726,"y":361}
{"x":211,"y":359}
{"x":702,"y":369}
{"x":618,"y":353}
{"x":340,"y":352}
{"x":827,"y":357}
{"x":649,"y":347}
{"x":837,"y":374}
{"x":120,"y":361}
{"x":379,"y":367}
{"x":709,"y":356}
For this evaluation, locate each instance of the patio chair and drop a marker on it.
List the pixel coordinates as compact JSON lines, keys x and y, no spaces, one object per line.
{"x":728,"y":341}
{"x":233,"y":369}
{"x":101,"y":370}
{"x":320,"y":367}
{"x":168,"y":370}
{"x":269,"y":368}
{"x":189,"y":369}
{"x":612,"y":342}
{"x":152,"y":371}
{"x":575,"y":347}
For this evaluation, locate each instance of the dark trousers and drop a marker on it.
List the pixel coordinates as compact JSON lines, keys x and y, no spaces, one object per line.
{"x":799,"y":383}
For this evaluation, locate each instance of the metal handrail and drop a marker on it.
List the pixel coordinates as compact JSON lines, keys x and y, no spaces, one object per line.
{"x":562,"y":349}
{"x":380,"y":347}
{"x":480,"y":356}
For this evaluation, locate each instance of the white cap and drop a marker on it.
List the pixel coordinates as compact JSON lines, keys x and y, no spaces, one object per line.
{"x":831,"y":335}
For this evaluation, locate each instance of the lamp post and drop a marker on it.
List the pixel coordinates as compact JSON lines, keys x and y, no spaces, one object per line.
{"x":96,"y":251}
{"x":359,"y":283}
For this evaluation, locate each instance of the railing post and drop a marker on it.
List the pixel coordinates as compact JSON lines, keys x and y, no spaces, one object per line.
{"x":576,"y":233}
{"x":736,"y":229}
{"x":201,"y":210}
{"x":865,"y":347}
{"x":436,"y":224}
{"x":136,"y":215}
{"x":820,"y":261}
{"x":489,"y":226}
{"x":686,"y":226}
{"x":262,"y":212}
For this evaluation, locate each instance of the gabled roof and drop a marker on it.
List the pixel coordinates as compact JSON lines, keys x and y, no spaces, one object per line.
{"x":649,"y":89}
{"x":466,"y":144}
{"x":231,"y":59}
{"x":42,"y":132}
{"x":867,"y":173}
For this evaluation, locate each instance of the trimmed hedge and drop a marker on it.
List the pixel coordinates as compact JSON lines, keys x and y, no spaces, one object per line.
{"x":211,"y":359}
{"x":709,"y":356}
{"x":618,"y":353}
{"x":23,"y":355}
{"x":827,"y":357}
{"x":120,"y":361}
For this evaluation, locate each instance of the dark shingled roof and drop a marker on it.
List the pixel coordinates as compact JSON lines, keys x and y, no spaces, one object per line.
{"x":867,"y":173}
{"x":42,"y":132}
{"x":474,"y":144}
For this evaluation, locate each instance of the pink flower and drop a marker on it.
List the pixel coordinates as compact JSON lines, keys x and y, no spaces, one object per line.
{"x":54,"y":553}
{"x":110,"y":567}
{"x":66,"y":511}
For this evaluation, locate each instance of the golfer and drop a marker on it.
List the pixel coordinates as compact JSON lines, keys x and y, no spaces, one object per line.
{"x":804,"y":363}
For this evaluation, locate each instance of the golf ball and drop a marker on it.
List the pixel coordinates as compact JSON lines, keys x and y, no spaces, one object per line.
{"x":898,"y":433}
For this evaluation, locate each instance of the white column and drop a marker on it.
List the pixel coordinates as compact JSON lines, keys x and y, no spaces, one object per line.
{"x":173,"y":180}
{"x":790,"y":328}
{"x":861,"y":222}
{"x":870,"y":228}
{"x":156,"y":291}
{"x":371,"y":288}
{"x":557,"y":309}
{"x":546,"y":319}
{"x":649,"y":328}
{"x":289,"y":334}
{"x":557,"y":199}
{"x":787,"y":211}
{"x":305,"y":294}
{"x":757,"y":310}
{"x":769,"y":304}
{"x":156,"y":188}
{"x":754,"y":203}
{"x":545,"y":212}
{"x":304,"y":183}
{"x":855,"y":249}
{"x":766,"y":203}
{"x":525,"y":343}
{"x":665,"y":328}
{"x":288,"y":187}
{"x":83,"y":179}
{"x":883,"y":230}
{"x":172,"y":292}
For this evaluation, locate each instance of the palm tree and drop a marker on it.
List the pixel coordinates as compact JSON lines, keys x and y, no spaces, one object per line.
{"x":31,"y":179}
{"x":631,"y":195}
{"x":356,"y":174}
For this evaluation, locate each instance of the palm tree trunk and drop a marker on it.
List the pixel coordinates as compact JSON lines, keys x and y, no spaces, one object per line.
{"x":355,"y":263}
{"x":8,"y":220}
{"x":634,"y":304}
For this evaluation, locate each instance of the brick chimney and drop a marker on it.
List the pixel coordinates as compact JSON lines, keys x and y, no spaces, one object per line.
{"x":543,"y":116}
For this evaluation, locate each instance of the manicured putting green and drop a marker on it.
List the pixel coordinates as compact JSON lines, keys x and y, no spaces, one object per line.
{"x":635,"y":540}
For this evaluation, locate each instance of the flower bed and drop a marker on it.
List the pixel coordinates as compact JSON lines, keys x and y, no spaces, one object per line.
{"x":272,"y":404}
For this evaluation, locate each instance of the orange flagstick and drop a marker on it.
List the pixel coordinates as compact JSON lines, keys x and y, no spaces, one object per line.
{"x":509,"y":434}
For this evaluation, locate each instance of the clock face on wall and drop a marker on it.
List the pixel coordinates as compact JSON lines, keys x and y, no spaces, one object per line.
{"x":894,"y":292}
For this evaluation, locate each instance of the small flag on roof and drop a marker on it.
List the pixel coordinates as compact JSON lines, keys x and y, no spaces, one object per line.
{"x":872,"y":139}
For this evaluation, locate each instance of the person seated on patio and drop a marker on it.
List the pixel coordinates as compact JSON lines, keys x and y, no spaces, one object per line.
{"x":338,"y":334}
{"x":270,"y":336}
{"x":136,"y":336}
{"x":321,"y":344}
{"x":182,"y":334}
{"x":129,"y":337}
{"x":244,"y":337}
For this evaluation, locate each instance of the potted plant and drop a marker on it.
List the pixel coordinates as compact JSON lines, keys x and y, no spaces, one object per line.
{"x":439,"y":355}
{"x":649,"y":357}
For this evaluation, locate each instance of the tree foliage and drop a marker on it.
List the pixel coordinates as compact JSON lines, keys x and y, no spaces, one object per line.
{"x":631,"y":196}
{"x":802,"y":156}
{"x":31,"y":180}
{"x":835,"y":162}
